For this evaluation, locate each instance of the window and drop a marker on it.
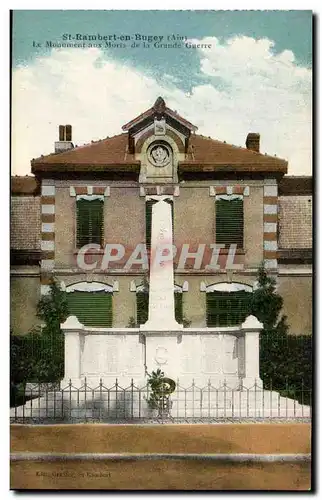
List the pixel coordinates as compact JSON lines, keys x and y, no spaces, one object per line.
{"x":148,"y":220}
{"x":93,"y":309}
{"x":142,"y":307}
{"x":90,"y":216}
{"x":230,"y":221}
{"x":227,"y":308}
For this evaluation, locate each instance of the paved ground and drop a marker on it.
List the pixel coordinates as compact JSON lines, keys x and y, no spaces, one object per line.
{"x":160,"y":475}
{"x":198,"y":438}
{"x":230,"y":438}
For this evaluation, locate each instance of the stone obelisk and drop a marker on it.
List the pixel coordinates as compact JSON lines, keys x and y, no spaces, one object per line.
{"x":161,"y":288}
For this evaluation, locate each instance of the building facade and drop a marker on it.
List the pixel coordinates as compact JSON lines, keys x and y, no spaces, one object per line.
{"x":84,"y":217}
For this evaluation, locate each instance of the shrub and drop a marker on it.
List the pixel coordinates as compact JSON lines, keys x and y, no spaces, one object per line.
{"x":285,"y":360}
{"x":39,"y":355}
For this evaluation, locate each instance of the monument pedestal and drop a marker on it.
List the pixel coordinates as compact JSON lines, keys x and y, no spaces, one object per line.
{"x":162,"y":352}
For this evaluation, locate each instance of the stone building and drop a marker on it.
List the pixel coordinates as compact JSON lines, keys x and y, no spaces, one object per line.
{"x":85,"y":218}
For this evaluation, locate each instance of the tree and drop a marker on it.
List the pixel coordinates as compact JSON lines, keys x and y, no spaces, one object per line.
{"x":53,"y":309}
{"x":266,"y":303}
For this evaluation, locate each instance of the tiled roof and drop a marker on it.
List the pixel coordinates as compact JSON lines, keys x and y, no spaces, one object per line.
{"x":24,"y":185}
{"x":204,"y":154}
{"x":107,"y":152}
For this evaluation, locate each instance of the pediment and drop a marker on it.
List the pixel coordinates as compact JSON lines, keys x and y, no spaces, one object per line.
{"x":160,"y":116}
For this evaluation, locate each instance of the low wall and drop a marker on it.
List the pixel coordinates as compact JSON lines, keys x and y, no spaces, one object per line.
{"x":220,"y":354}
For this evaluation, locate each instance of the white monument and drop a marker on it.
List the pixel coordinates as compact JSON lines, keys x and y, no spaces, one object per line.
{"x":161,"y":289}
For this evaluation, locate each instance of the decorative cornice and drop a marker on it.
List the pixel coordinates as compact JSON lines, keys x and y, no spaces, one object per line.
{"x":90,"y":197}
{"x":229,"y":190}
{"x":157,"y":190}
{"x":89,"y":191}
{"x":225,"y":287}
{"x":91,"y":286}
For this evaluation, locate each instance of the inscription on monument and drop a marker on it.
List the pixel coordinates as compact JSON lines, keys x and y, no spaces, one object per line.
{"x":111,"y":362}
{"x":230,"y":361}
{"x":211,"y":354}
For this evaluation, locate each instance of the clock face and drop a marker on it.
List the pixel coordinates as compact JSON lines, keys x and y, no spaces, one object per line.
{"x":159,"y":155}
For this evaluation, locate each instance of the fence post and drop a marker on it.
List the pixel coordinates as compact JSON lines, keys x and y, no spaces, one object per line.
{"x":251,"y":328}
{"x":72,"y":329}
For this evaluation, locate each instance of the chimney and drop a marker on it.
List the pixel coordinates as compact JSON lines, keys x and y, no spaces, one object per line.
{"x":252,"y":141}
{"x":65,"y":139}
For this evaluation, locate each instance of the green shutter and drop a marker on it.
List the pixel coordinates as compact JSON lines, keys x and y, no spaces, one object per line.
{"x":142,"y":307}
{"x":148,"y":220}
{"x":90,"y":225}
{"x":227,"y":308}
{"x":178,"y":307}
{"x":82,"y":215}
{"x":91,"y":308}
{"x":230,"y":222}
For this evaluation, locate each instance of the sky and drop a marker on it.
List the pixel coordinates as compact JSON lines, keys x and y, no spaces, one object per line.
{"x":254,"y":75}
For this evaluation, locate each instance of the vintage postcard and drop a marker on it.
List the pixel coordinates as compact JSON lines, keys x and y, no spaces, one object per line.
{"x":161,"y":250}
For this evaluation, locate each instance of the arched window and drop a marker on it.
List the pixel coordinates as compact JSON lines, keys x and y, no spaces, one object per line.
{"x":91,"y":303}
{"x":227,"y":304}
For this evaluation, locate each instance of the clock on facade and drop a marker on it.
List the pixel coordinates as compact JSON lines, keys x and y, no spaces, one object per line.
{"x":159,"y":155}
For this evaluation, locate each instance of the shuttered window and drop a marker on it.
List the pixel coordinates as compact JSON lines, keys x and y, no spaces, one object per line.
{"x":142,"y":307}
{"x":90,"y":218}
{"x":227,"y":308}
{"x":91,"y":308}
{"x":148,"y":220}
{"x":230,"y":222}
{"x":178,"y":309}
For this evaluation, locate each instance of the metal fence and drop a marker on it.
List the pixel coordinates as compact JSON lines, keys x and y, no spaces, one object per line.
{"x":49,"y":403}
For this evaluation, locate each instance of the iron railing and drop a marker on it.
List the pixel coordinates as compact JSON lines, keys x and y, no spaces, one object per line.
{"x":116,"y":403}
